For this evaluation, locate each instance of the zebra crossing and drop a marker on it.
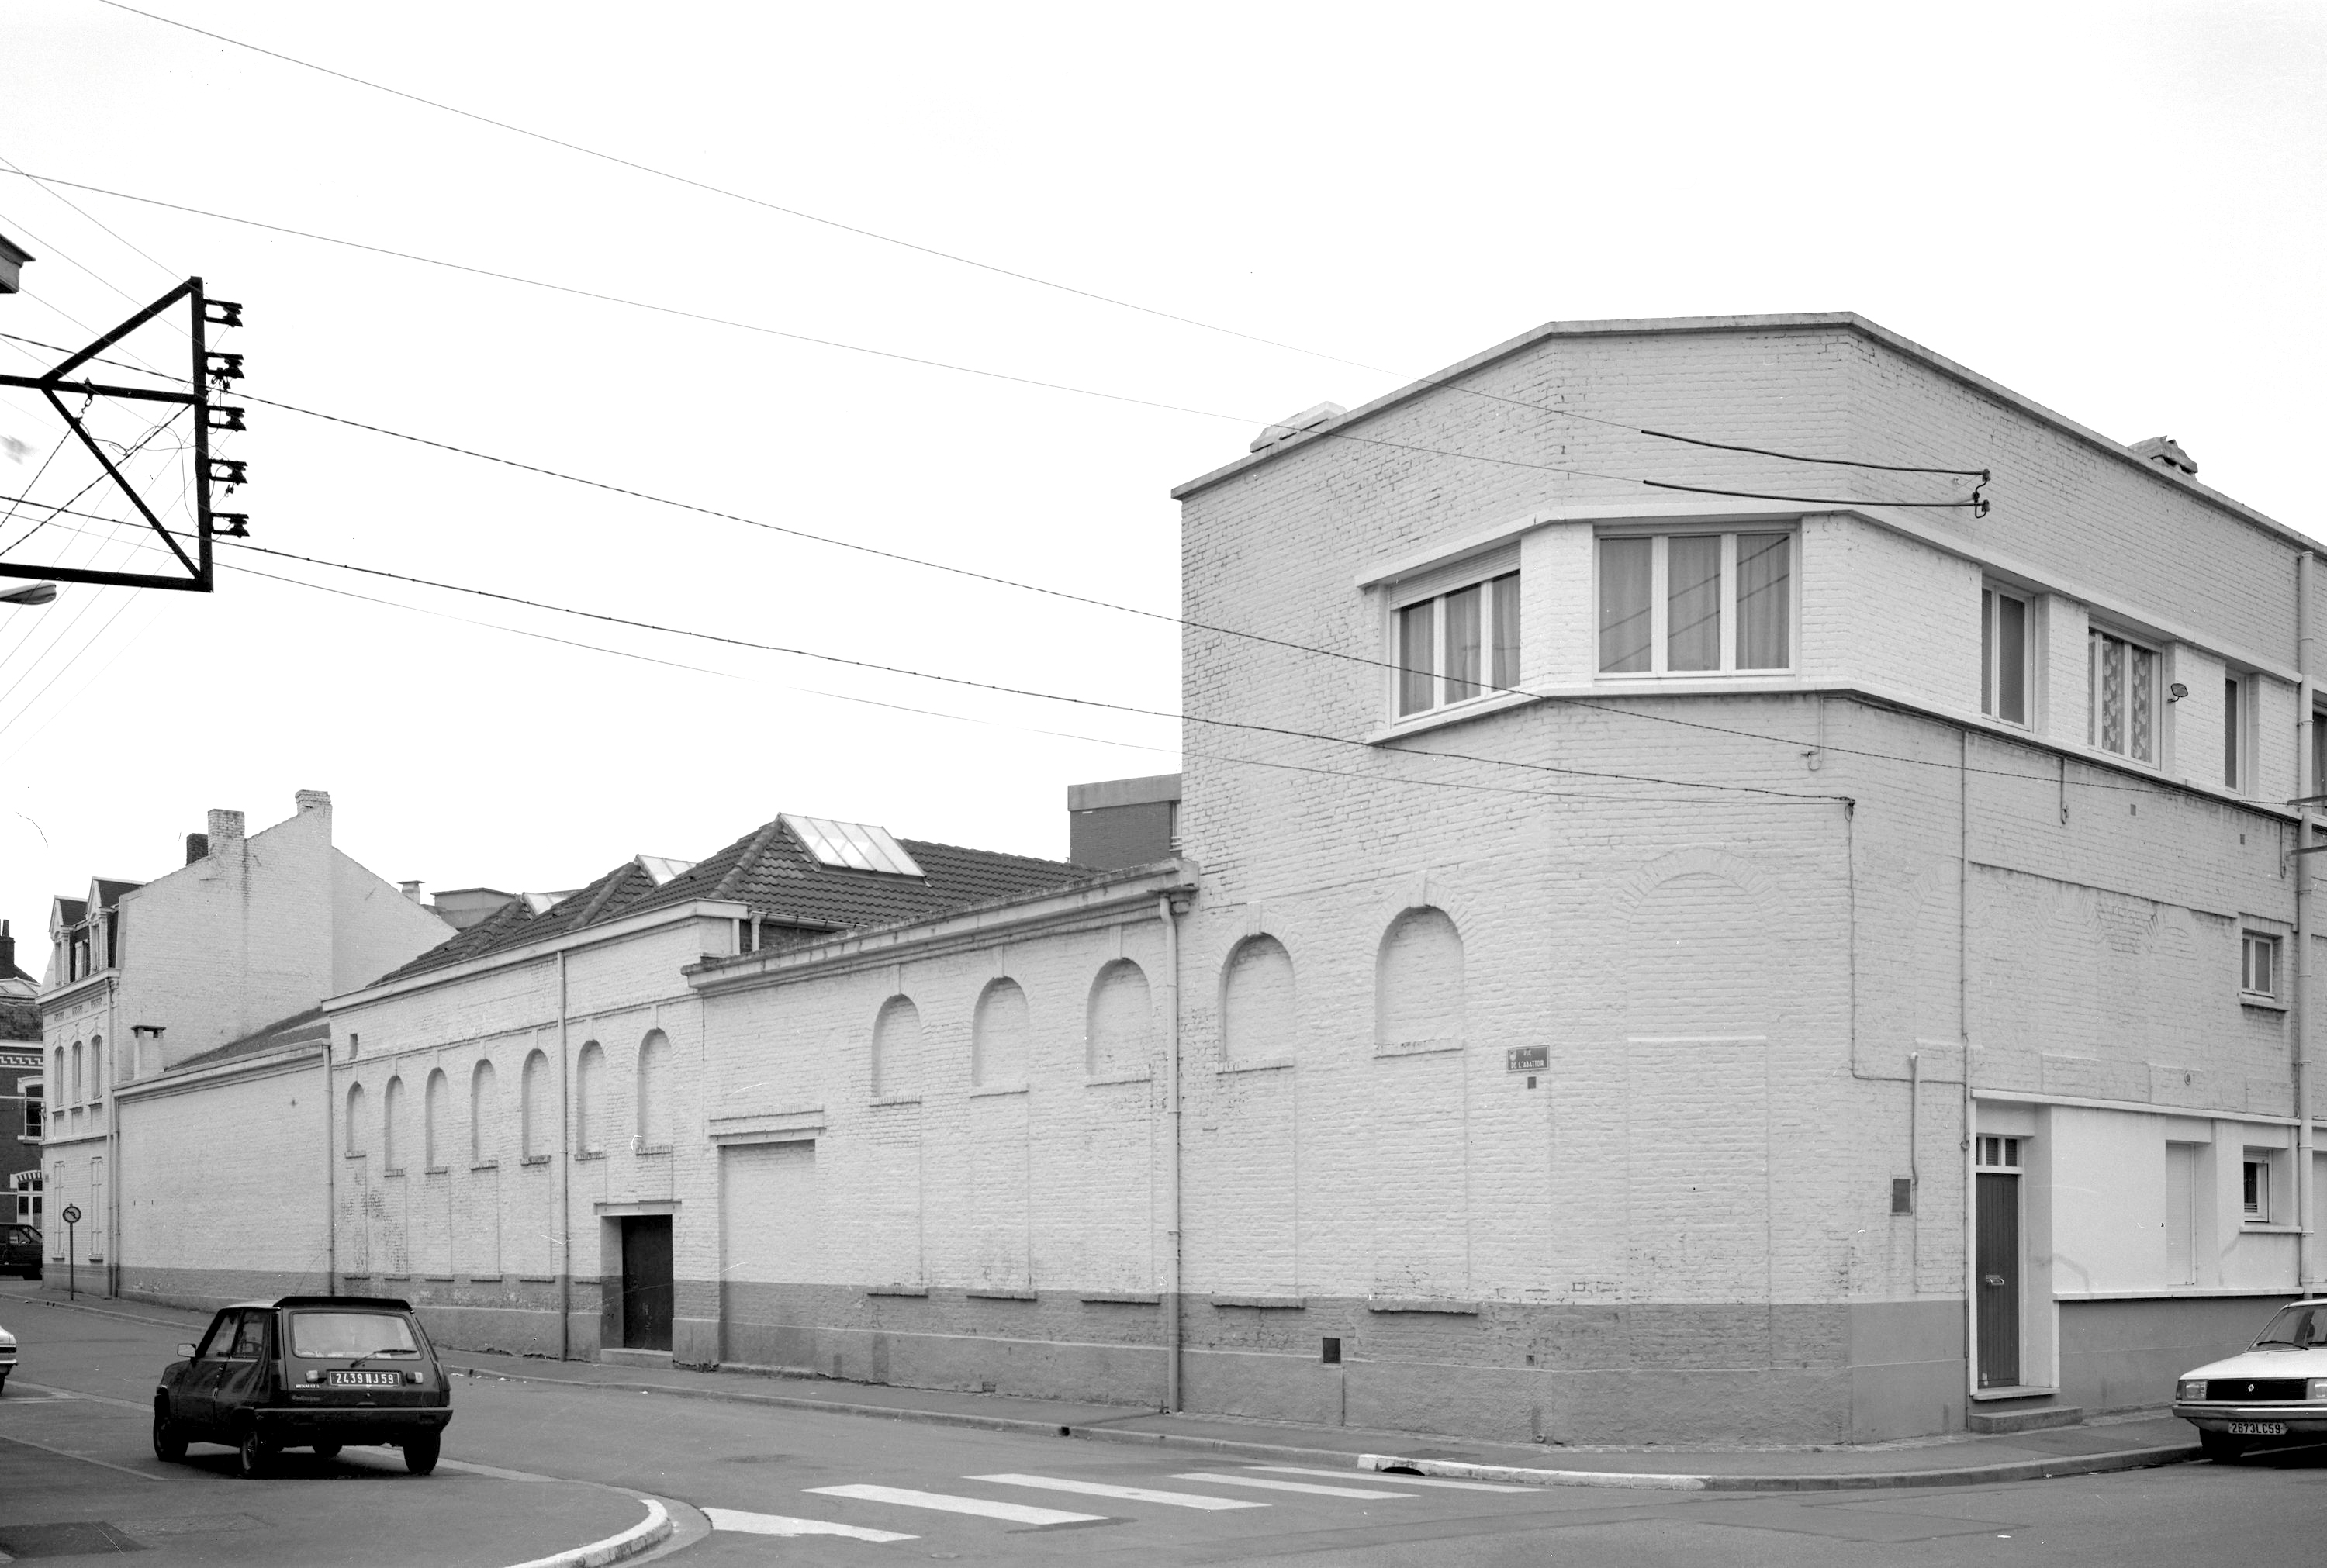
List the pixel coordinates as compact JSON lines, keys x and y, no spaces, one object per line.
{"x":1212,"y":1491}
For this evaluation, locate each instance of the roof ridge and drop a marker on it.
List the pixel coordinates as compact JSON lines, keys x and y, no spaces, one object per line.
{"x":748,"y":859}
{"x":612,"y":880}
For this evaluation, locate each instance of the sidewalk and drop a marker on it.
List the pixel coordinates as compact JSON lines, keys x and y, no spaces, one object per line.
{"x":2134,"y":1442}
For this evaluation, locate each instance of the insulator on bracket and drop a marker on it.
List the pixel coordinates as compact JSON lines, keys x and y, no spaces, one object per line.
{"x":222,"y":313}
{"x":230,"y":525}
{"x":225,"y":471}
{"x":227,"y":416}
{"x":222,"y":367}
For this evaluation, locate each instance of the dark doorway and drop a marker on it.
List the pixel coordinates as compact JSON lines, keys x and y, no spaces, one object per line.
{"x":1998,"y":1257}
{"x":646,"y":1282}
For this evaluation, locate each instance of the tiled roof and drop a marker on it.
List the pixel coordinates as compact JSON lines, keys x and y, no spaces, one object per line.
{"x":108,"y":894}
{"x":20,"y":1019}
{"x":771,"y":873}
{"x":72,"y":911}
{"x":308,"y":1028}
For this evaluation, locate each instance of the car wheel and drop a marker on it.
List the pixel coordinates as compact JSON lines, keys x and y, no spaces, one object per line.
{"x":2220,"y":1445}
{"x":253,"y":1454}
{"x":169,"y":1442}
{"x":420,"y":1452}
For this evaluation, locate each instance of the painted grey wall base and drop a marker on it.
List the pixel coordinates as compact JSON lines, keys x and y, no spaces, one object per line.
{"x":2125,"y":1354}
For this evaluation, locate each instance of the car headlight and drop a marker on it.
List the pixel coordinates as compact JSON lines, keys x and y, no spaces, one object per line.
{"x":2318,"y":1389}
{"x":2195,"y":1388}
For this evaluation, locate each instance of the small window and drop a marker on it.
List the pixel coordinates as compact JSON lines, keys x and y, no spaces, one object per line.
{"x":2123,"y":718}
{"x":2254,"y":1194}
{"x":2003,"y":656}
{"x":1696,"y":603}
{"x":2258,"y":965}
{"x":1454,"y":647}
{"x":1999,"y":1153}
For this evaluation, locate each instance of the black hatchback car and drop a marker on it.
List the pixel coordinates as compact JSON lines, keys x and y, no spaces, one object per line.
{"x":309,"y":1372}
{"x":20,"y":1251}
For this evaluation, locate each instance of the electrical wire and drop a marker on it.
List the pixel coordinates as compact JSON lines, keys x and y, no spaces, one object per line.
{"x":1973,"y":502}
{"x":972,"y":261}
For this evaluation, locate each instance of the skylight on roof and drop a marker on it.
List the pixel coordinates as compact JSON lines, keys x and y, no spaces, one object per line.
{"x":858,"y":845}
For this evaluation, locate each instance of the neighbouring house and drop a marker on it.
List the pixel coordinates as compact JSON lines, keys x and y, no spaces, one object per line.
{"x":145,"y":975}
{"x":22,"y":1060}
{"x":1784,"y":931}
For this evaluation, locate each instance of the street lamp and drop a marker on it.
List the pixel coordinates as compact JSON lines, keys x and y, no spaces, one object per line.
{"x":31,"y":593}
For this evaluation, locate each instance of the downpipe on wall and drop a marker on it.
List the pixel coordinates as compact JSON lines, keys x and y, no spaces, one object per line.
{"x":1170,"y":914}
{"x":2306,"y":1197}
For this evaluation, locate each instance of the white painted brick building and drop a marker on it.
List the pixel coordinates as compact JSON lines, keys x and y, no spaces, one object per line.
{"x":1744,"y":930}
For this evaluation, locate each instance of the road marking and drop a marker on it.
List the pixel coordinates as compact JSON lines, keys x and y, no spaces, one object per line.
{"x":1129,"y":1494}
{"x":781,"y":1524}
{"x":92,"y":1398}
{"x":1285,"y":1486}
{"x":1016,"y":1513}
{"x":1404,"y":1481}
{"x":62,"y":1454}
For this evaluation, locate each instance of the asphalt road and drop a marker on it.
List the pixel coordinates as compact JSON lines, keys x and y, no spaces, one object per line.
{"x":791,"y":1487}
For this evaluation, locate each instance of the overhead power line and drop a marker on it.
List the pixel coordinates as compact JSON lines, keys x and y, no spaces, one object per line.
{"x":1973,"y":502}
{"x":970,"y":261}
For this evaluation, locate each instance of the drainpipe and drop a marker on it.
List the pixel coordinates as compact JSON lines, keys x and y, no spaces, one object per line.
{"x":1963,"y":1027}
{"x":331,"y":1181}
{"x":1172,"y":1325}
{"x":2306,"y":1251}
{"x":565,"y":1178}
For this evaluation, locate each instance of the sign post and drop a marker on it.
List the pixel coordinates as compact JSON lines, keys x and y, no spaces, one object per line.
{"x":72,"y":1217}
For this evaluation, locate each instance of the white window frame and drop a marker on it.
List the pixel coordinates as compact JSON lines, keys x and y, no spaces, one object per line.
{"x":1659,"y":608}
{"x":2249,"y":940}
{"x":1991,"y":648}
{"x":2000,"y":1152}
{"x":2157,"y":707}
{"x":2239,"y":732}
{"x":1488,"y":687}
{"x":2260,"y":1167}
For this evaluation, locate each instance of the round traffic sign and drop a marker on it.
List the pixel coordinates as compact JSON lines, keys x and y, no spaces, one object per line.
{"x":71,"y":1216}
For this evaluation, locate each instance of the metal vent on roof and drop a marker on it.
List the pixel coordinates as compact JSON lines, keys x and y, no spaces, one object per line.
{"x":858,"y":845}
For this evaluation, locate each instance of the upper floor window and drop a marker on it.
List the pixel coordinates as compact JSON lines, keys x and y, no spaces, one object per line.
{"x":1690,"y":603}
{"x":2258,"y":965}
{"x":2124,"y":712}
{"x":2238,"y":725}
{"x":1452,"y":647}
{"x":2003,"y":656}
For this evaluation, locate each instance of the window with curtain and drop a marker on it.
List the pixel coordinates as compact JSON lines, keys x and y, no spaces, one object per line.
{"x":2003,"y":656}
{"x":2123,"y":717}
{"x":1714,"y":603}
{"x":1459,"y":645}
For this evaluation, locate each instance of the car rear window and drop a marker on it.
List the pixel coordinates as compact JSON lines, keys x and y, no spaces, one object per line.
{"x":351,"y":1334}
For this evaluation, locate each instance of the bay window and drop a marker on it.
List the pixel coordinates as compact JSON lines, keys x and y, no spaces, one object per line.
{"x":1455,"y":646}
{"x":1696,"y":603}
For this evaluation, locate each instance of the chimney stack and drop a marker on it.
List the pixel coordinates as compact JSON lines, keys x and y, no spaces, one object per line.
{"x":226,"y":827}
{"x":198,"y":847}
{"x":7,"y":950}
{"x":411,"y":891}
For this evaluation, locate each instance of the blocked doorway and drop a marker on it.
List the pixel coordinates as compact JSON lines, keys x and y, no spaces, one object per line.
{"x":648,"y":1295}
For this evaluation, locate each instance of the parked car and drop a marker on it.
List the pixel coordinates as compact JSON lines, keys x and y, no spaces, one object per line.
{"x":7,"y":1357}
{"x":20,"y":1250}
{"x":308,"y":1372}
{"x":2277,"y":1387}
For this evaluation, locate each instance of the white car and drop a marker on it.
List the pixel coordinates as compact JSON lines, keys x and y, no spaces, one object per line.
{"x":7,"y":1355}
{"x":2277,"y":1388}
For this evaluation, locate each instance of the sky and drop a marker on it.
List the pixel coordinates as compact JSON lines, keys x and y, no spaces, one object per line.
{"x":2115,"y":209}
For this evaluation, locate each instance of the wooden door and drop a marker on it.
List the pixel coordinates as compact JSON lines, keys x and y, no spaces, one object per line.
{"x":647,"y":1294}
{"x":1999,"y":1282}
